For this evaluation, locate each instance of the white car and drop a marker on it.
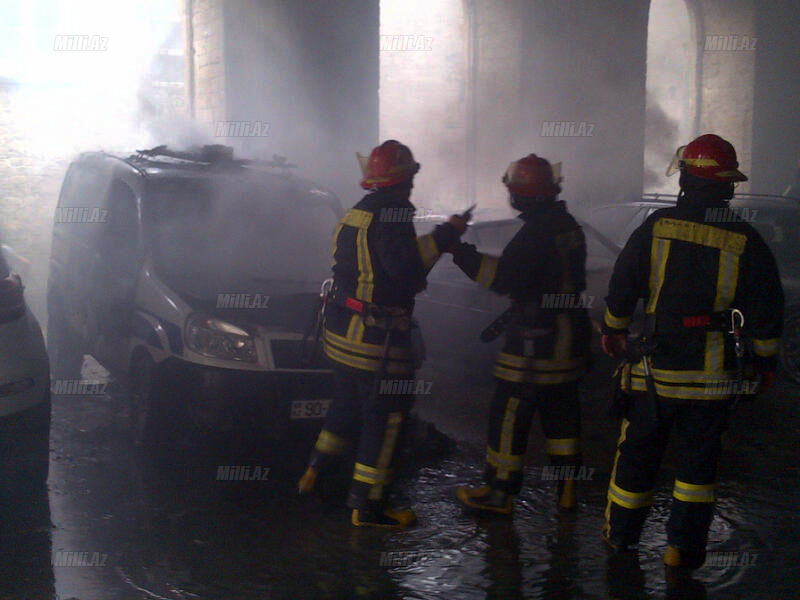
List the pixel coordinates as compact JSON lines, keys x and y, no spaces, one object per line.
{"x":24,"y":389}
{"x":198,"y":276}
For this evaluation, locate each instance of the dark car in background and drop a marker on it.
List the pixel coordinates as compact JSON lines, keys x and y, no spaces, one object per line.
{"x":777,"y":219}
{"x":453,"y":310}
{"x":196,"y":275}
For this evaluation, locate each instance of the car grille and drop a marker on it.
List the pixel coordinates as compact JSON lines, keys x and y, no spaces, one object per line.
{"x":290,"y":354}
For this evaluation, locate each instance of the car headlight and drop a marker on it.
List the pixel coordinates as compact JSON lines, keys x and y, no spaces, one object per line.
{"x":212,"y":337}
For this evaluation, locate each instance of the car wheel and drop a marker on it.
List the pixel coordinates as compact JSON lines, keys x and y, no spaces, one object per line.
{"x":64,"y":346}
{"x":25,"y":448}
{"x":790,"y":345}
{"x":151,"y":419}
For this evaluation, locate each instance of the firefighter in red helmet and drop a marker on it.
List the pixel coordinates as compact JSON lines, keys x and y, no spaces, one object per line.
{"x":547,"y":329}
{"x":379,"y":266}
{"x":710,"y":290}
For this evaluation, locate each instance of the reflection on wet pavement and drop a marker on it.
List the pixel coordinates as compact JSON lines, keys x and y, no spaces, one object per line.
{"x":170,"y":529}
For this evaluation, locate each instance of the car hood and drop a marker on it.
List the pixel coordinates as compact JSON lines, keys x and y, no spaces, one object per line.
{"x":283,"y":305}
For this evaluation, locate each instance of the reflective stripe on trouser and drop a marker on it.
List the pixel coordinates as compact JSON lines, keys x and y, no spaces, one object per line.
{"x":641,"y":446}
{"x":510,"y":417}
{"x":383,"y":420}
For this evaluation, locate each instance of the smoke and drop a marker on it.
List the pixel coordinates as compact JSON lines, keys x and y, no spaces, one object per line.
{"x":661,"y":136}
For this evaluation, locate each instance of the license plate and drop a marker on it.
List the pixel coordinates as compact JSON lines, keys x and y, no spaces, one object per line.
{"x":309,"y":409}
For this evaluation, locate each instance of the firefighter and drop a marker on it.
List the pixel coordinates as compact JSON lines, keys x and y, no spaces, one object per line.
{"x":699,"y":270}
{"x":546,"y":352}
{"x":379,"y":265}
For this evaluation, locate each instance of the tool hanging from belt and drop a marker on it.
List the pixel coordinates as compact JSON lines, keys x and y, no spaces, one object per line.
{"x":317,"y":323}
{"x":641,"y":348}
{"x":389,"y":318}
{"x":737,"y":323}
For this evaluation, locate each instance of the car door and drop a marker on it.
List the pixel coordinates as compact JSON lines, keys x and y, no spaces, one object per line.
{"x":113,"y":274}
{"x":78,"y":216}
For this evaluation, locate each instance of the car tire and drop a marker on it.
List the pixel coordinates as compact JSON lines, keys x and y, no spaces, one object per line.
{"x":25,"y":448}
{"x":64,"y":346}
{"x":790,"y":345}
{"x":151,"y":421}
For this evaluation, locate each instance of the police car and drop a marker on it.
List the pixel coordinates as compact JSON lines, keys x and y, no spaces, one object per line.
{"x":197,"y":276}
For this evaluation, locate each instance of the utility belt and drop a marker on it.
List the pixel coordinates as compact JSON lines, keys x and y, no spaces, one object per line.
{"x":389,"y":318}
{"x":374,"y":315}
{"x":519,"y":318}
{"x":666,"y":323}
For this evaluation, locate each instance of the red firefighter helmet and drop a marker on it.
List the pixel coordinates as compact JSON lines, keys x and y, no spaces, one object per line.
{"x":533,"y":176}
{"x":388,"y":164}
{"x":708,"y":157}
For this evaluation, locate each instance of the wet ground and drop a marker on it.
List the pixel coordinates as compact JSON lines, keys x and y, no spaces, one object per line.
{"x":139,"y":523}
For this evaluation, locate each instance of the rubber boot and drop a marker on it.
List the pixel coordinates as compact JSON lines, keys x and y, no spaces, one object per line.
{"x":307,"y":481}
{"x":567,"y":498}
{"x":614,"y":547}
{"x":679,"y":561}
{"x":376,"y":514}
{"x":485,"y":498}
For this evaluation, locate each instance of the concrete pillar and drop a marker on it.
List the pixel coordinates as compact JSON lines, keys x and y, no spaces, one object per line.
{"x":728,"y":58}
{"x":305,"y":71}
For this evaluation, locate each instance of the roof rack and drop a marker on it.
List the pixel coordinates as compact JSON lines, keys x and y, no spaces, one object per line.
{"x":210,"y":154}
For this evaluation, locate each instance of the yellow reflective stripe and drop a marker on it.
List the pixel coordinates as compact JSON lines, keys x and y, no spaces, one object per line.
{"x":365,"y":348}
{"x":727,"y":277}
{"x":328,"y":443}
{"x":510,"y":462}
{"x":366,"y":277}
{"x":698,"y":233}
{"x":562,"y":446}
{"x":692,"y":492}
{"x":714,"y":360}
{"x":335,"y":245}
{"x":701,"y":162}
{"x":616,"y":322}
{"x":355,"y":330}
{"x":393,"y":423}
{"x":371,"y":475}
{"x":355,"y":217}
{"x":766,"y":348}
{"x":487,"y":270}
{"x":428,"y":250}
{"x":626,"y":499}
{"x":507,"y":434}
{"x":622,"y":436}
{"x":659,"y":253}
{"x":367,"y":364}
{"x":518,"y":376}
{"x":669,"y":376}
{"x":538,"y":364}
{"x":683,"y":392}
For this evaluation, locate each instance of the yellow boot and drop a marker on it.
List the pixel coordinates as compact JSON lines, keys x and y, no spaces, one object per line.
{"x":307,"y":481}
{"x":567,"y":499}
{"x":485,"y":498}
{"x":376,"y":515}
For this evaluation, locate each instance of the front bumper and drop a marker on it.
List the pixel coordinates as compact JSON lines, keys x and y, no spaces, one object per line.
{"x":232,"y":398}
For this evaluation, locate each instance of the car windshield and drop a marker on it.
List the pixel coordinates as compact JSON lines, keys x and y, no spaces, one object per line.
{"x":224,"y":232}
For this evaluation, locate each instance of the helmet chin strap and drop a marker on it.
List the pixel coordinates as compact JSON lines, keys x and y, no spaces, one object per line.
{"x":696,"y":189}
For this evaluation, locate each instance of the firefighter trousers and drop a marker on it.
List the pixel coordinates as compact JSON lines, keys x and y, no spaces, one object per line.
{"x":510,"y":418}
{"x":698,"y":426}
{"x":374,"y":421}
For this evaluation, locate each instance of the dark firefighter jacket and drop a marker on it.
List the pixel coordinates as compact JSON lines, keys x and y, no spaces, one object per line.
{"x":696,"y":259}
{"x":543,"y":271}
{"x":378,"y":260}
